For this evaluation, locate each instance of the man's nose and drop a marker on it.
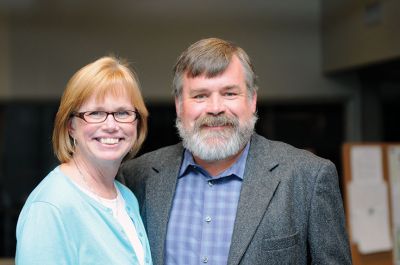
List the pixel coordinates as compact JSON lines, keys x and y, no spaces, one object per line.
{"x":216,"y":105}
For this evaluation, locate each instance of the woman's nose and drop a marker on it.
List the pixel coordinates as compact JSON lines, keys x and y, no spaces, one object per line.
{"x":110,"y":121}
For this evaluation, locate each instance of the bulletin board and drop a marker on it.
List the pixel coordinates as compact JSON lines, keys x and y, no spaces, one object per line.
{"x":383,"y":257}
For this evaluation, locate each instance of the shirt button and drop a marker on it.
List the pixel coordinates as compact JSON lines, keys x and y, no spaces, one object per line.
{"x":205,"y":259}
{"x":208,"y":219}
{"x":210,"y":183}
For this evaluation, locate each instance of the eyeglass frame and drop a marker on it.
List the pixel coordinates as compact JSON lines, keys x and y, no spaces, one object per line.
{"x":81,"y":115}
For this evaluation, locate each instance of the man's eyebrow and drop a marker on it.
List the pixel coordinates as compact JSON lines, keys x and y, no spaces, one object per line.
{"x":205,"y":90}
{"x":198,"y":90}
{"x":230,"y":87}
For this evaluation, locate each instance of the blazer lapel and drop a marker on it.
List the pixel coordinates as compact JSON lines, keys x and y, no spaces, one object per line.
{"x":160,"y":190}
{"x":258,"y":188}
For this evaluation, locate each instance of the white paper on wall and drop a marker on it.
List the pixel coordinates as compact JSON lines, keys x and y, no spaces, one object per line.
{"x":369,"y":216}
{"x":394,"y":176}
{"x":366,"y":163}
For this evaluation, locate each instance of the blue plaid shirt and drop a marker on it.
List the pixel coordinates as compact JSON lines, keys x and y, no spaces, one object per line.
{"x":203,"y":213}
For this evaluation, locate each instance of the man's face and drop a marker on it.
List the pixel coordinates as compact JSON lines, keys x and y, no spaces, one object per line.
{"x":216,"y":115}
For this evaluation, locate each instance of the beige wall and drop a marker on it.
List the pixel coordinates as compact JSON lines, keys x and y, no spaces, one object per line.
{"x":7,"y":262}
{"x":354,"y":36}
{"x":4,"y":58}
{"x":285,"y":48}
{"x":44,"y":53}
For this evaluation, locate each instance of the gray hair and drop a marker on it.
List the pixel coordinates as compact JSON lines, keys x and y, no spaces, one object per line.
{"x":211,"y":57}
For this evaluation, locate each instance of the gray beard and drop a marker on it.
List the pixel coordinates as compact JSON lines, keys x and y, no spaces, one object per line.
{"x":211,"y":145}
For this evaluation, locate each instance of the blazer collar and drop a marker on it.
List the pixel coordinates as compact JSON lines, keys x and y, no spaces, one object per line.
{"x":160,"y":190}
{"x":258,"y":188}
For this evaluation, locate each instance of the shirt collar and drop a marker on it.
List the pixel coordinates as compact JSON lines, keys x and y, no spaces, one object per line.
{"x":236,"y":169}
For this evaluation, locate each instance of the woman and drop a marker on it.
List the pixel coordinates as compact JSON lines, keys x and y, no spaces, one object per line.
{"x":79,"y":213}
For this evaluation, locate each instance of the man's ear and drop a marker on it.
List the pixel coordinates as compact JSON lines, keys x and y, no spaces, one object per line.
{"x":254,"y":102}
{"x":178,"y":104}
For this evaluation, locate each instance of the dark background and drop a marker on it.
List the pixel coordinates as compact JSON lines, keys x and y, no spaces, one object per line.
{"x":26,"y":152}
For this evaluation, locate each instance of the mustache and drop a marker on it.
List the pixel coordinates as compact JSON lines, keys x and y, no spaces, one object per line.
{"x":217,"y":120}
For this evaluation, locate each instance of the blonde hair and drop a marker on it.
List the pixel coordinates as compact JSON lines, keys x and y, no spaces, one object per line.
{"x":100,"y":78}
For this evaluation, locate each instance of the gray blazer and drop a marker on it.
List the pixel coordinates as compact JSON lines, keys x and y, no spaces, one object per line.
{"x":290,"y":209}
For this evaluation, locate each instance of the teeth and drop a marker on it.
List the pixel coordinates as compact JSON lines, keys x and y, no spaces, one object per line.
{"x":109,"y":140}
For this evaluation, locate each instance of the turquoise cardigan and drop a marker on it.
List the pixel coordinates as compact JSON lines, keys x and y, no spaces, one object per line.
{"x":60,"y":224}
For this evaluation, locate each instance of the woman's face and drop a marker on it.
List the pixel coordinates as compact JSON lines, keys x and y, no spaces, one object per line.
{"x":108,"y":141}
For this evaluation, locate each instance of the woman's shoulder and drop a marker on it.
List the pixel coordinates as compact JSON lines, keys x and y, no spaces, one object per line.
{"x":55,"y":189}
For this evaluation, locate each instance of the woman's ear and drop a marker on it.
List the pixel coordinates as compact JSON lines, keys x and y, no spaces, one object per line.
{"x":71,"y":128}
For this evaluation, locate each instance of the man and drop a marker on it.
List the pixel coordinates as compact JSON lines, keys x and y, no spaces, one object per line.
{"x":226,"y":195}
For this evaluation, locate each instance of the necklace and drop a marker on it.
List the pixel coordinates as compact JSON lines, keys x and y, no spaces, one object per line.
{"x":106,"y":202}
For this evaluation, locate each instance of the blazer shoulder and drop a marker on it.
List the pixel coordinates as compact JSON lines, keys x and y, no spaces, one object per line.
{"x":285,"y":153}
{"x":159,"y":157}
{"x":135,"y":172}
